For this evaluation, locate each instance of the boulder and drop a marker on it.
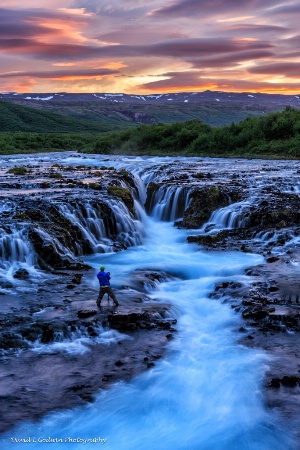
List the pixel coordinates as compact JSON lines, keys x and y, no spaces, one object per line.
{"x":21,"y":274}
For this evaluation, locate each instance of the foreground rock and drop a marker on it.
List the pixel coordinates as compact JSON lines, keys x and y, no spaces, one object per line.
{"x":250,"y":206}
{"x":71,"y":348}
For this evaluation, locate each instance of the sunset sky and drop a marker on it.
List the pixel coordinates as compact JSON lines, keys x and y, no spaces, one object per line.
{"x":142,"y":46}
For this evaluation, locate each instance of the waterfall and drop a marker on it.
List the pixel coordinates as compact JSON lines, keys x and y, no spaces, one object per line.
{"x":232,"y":216}
{"x":59,"y":248}
{"x":16,"y":253}
{"x":15,"y":247}
{"x":88,"y":219}
{"x":103,"y":234}
{"x":169,"y":203}
{"x":279,"y":241}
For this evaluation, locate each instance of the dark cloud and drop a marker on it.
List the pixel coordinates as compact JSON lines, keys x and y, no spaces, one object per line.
{"x":23,"y":15}
{"x":179,"y":48}
{"x":131,"y":34}
{"x":23,"y":30}
{"x":190,"y":8}
{"x":287,"y":69}
{"x":56,"y":74}
{"x":282,"y":10}
{"x":178,"y":81}
{"x":255,"y":30}
{"x":198,"y":47}
{"x":26,"y":24}
{"x":229,"y":60}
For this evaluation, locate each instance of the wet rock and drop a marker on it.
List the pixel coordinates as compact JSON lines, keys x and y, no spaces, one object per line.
{"x":272,"y":259}
{"x":255,"y":314}
{"x":21,"y":274}
{"x":47,"y":334}
{"x":152,"y":188}
{"x":124,"y":194}
{"x":6,"y":284}
{"x":119,"y":363}
{"x":287,"y":380}
{"x":31,"y":333}
{"x":275,"y":383}
{"x":205,"y":200}
{"x":10,"y":341}
{"x":209,"y":240}
{"x":77,"y":278}
{"x":84,"y":313}
{"x":290,"y":380}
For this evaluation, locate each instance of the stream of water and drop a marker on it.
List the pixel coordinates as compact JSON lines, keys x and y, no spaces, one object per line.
{"x":206,"y":395}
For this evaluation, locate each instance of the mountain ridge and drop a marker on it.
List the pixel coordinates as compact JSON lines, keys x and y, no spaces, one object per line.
{"x":120,"y":110}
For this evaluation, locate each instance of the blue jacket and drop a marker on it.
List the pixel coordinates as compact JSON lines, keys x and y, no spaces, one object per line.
{"x":103,"y":278}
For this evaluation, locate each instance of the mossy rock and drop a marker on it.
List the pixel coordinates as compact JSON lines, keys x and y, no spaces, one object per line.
{"x":204,"y":202}
{"x":55,"y":175}
{"x":124,"y":194}
{"x":95,"y":186}
{"x":21,"y":170}
{"x":152,"y":188}
{"x":209,"y":240}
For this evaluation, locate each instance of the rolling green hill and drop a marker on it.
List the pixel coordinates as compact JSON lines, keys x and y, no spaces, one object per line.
{"x":124,"y":115}
{"x":17,"y":118}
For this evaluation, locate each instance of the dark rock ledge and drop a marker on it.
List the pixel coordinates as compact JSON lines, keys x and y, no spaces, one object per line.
{"x":61,"y":380}
{"x":270,"y":307}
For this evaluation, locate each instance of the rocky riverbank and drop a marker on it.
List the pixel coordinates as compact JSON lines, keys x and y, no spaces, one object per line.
{"x":258,"y":214}
{"x":57,"y":344}
{"x":51,"y":215}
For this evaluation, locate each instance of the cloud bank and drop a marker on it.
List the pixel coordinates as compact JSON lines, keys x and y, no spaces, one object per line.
{"x":139,"y":46}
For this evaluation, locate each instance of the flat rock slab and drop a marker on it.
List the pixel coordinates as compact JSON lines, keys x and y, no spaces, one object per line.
{"x":62,"y":379}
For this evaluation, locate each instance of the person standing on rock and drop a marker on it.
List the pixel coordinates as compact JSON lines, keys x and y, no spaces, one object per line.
{"x":105,"y":288}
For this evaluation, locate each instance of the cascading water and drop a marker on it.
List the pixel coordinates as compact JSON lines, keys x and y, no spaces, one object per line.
{"x":232,"y":216}
{"x":207,"y":394}
{"x":91,"y":221}
{"x":169,"y":203}
{"x":16,"y":253}
{"x":86,"y":217}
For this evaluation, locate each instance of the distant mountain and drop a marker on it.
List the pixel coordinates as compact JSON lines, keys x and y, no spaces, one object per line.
{"x":123,"y":110}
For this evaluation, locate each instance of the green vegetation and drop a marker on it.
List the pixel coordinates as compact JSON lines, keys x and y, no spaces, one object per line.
{"x":21,"y":170}
{"x":270,"y":136}
{"x":55,"y":175}
{"x":16,"y":118}
{"x":44,"y":142}
{"x":124,"y":194}
{"x":276,"y":134}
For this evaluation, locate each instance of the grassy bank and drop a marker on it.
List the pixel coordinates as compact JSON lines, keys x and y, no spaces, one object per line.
{"x":276,"y":135}
{"x":11,"y":143}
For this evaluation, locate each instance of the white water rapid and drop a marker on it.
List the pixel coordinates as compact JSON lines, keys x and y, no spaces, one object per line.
{"x":206,"y":395}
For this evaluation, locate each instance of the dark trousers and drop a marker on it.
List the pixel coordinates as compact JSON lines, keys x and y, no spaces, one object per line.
{"x":106,"y":290}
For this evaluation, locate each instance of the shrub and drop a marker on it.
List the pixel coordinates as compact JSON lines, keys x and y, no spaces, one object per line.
{"x":21,"y":170}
